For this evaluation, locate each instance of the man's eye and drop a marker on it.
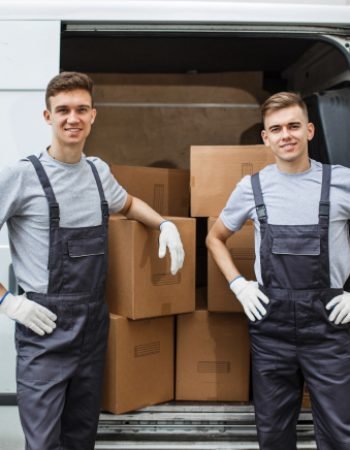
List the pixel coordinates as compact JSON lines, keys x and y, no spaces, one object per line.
{"x":274,"y":129}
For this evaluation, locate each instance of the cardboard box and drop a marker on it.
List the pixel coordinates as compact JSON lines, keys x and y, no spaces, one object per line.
{"x":215,"y":171}
{"x":139,"y":283}
{"x":139,"y":365}
{"x":166,"y":190}
{"x":306,"y":403}
{"x":212,"y":357}
{"x":241,"y":247}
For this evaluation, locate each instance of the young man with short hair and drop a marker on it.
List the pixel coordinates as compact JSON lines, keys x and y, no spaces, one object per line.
{"x":299,"y":315}
{"x":56,"y":205}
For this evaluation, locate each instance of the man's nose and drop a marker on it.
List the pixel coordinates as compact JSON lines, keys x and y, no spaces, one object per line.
{"x":285,"y":133}
{"x":72,"y":117}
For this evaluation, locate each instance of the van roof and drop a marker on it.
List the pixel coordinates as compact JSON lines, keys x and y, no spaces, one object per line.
{"x":307,"y":12}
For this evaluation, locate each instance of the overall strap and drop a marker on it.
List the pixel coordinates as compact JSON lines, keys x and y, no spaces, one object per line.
{"x":258,"y":198}
{"x":104,"y":203}
{"x":323,"y":213}
{"x":54,"y":210}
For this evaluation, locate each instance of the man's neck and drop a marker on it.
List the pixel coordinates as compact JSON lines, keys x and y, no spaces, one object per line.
{"x":293,"y":166}
{"x":69,"y":155}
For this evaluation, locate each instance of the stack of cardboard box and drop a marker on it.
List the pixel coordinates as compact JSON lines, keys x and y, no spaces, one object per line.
{"x":212,"y":356}
{"x":145,"y":300}
{"x":142,"y":295}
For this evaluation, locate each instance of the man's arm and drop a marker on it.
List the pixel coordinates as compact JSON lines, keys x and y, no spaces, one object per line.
{"x":3,"y":290}
{"x":216,"y":243}
{"x":136,"y":209}
{"x":169,"y":237}
{"x":247,"y":292}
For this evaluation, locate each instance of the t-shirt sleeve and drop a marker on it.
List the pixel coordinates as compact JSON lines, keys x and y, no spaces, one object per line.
{"x":340,"y":194}
{"x":115,"y":194}
{"x":11,"y":190}
{"x":240,"y":205}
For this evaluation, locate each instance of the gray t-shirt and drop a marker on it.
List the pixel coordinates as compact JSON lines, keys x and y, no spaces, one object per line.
{"x":24,"y":207}
{"x":293,"y":199}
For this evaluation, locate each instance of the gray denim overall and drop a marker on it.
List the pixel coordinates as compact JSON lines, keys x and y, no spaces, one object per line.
{"x":59,"y":376}
{"x":295,"y":340}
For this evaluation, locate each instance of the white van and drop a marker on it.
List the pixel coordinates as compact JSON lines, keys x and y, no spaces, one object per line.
{"x":168,"y":74}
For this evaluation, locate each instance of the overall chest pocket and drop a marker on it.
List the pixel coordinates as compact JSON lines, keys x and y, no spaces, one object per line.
{"x":80,"y":248}
{"x":298,"y":246}
{"x":296,"y":261}
{"x":84,"y":264}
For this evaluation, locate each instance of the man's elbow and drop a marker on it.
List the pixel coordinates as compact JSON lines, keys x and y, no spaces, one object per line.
{"x":127,"y":207}
{"x":209,"y":241}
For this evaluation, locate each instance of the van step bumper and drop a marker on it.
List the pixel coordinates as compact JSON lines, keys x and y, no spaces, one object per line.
{"x":190,"y":426}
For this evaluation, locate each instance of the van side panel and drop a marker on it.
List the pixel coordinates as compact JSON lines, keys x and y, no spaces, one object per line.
{"x":29,"y":55}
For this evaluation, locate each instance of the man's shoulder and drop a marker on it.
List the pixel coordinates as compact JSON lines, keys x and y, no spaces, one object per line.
{"x":102,"y":166}
{"x":267,"y":170}
{"x":98,"y":162}
{"x":18,"y":168}
{"x":340,"y":176}
{"x":338,"y":168}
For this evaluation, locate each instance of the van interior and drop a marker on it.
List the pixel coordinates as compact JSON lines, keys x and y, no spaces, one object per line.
{"x":159,"y":91}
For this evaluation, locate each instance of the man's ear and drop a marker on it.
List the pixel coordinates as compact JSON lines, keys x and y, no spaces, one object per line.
{"x":47,"y":116}
{"x":265,"y":138}
{"x":93,"y":115}
{"x":310,"y":131}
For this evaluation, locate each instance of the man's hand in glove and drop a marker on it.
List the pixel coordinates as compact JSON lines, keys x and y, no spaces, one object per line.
{"x":340,"y":306}
{"x":170,"y":237}
{"x":250,"y":297}
{"x":34,"y":316}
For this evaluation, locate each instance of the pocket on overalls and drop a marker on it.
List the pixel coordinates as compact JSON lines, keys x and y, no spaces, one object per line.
{"x":296,"y":261}
{"x":258,"y":322}
{"x":84,"y":264}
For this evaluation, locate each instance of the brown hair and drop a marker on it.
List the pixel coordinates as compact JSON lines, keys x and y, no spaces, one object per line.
{"x":68,"y":81}
{"x":282,"y":100}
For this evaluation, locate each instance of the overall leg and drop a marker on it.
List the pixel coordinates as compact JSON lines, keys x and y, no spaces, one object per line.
{"x":83,"y":401}
{"x":277,"y":392}
{"x":327,"y":373}
{"x":82,"y":408}
{"x":44,"y":367}
{"x":40,"y":404}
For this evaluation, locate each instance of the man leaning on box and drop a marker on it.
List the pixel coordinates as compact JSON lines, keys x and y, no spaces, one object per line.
{"x":299,"y":315}
{"x":56,"y":205}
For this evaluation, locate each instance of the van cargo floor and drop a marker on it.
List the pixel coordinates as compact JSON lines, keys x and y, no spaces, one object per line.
{"x":190,"y":426}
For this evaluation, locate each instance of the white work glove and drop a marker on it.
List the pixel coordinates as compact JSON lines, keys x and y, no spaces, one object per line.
{"x":250,"y":297}
{"x":34,"y":316}
{"x":170,"y":237}
{"x":340,"y":306}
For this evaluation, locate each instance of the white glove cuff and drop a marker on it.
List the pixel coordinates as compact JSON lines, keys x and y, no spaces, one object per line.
{"x":235,"y":279}
{"x":162,"y":223}
{"x":237,"y":284}
{"x":4,"y":296}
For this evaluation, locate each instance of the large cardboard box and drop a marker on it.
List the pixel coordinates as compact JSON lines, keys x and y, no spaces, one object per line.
{"x":166,"y":190}
{"x":139,"y":283}
{"x":241,"y":247}
{"x":212,"y":357}
{"x":139,"y":364}
{"x":215,"y":171}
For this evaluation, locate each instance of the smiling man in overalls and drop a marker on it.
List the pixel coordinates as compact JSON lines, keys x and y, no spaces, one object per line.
{"x":299,"y":315}
{"x":56,"y":205}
